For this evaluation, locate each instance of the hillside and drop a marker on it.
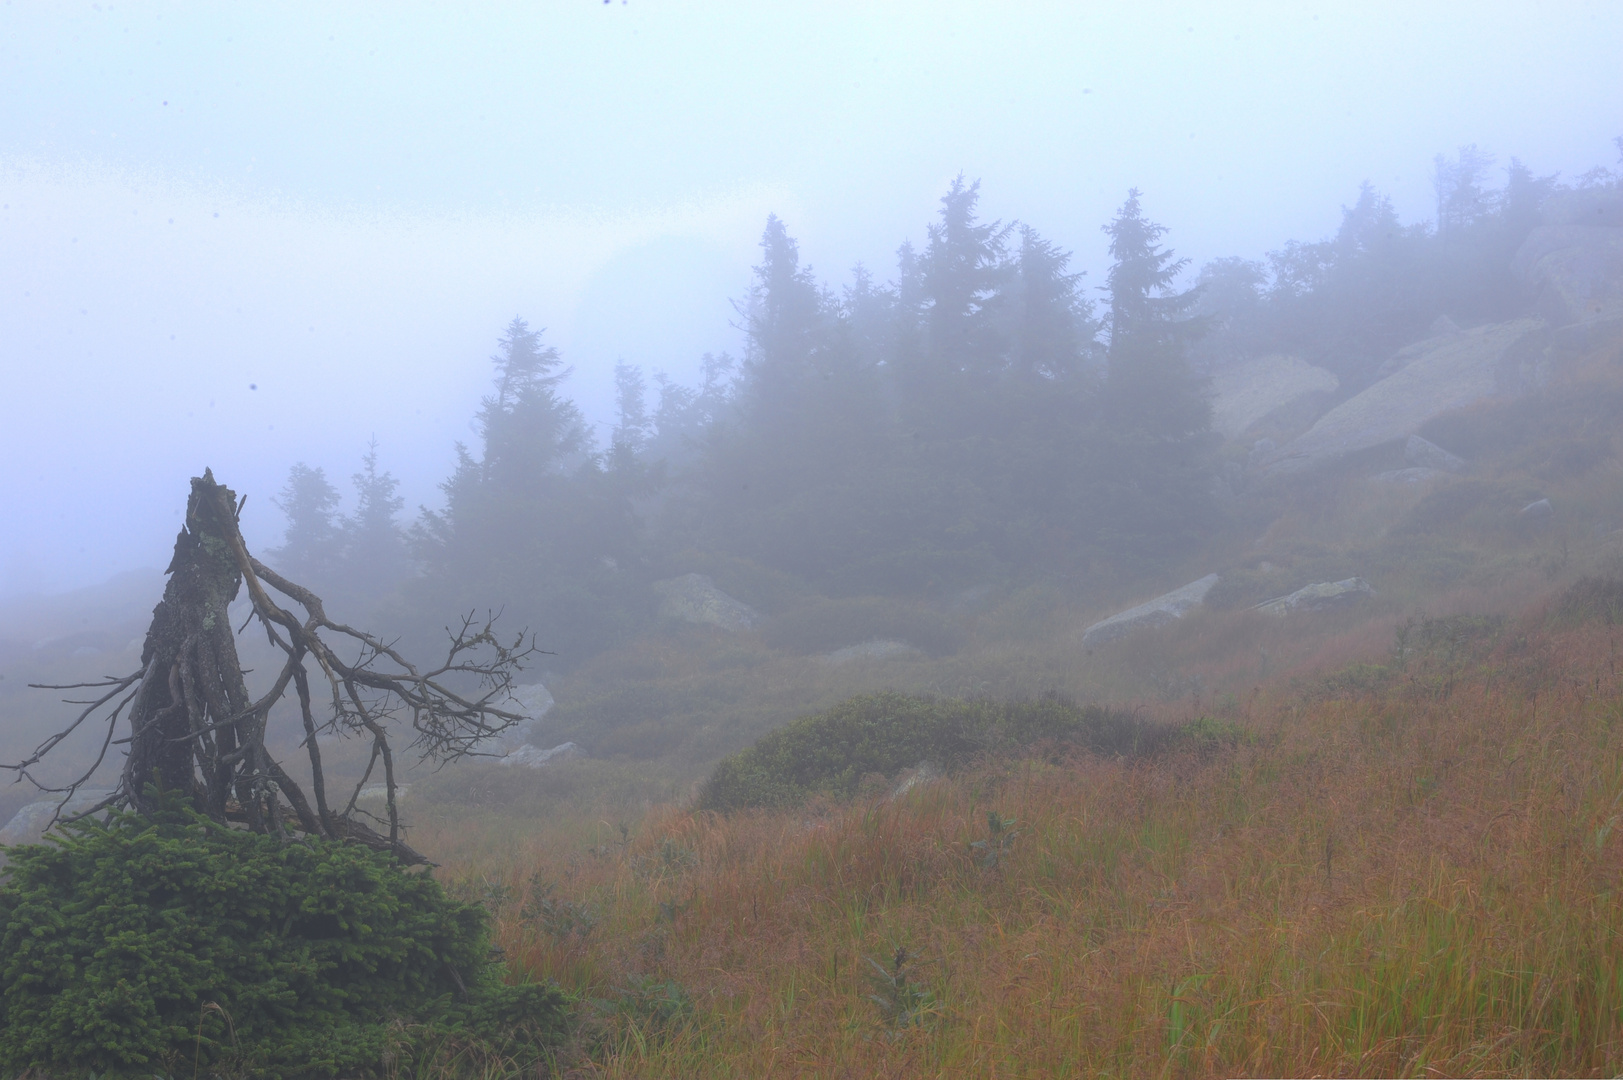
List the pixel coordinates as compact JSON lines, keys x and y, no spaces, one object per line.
{"x":1403,"y":866}
{"x":1233,"y":691}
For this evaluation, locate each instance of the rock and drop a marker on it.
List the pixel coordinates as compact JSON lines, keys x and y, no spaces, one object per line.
{"x":1576,"y":271}
{"x":1538,"y":511}
{"x":1595,"y":206}
{"x":1407,"y":477}
{"x":925,"y":772}
{"x":1448,"y":373}
{"x":1588,"y":335}
{"x":1428,"y":455}
{"x":1166,"y":608}
{"x":1321,"y":597}
{"x":27,"y":826}
{"x":1280,"y":390}
{"x":379,"y":793}
{"x":533,"y":700}
{"x":694,"y":598}
{"x":1409,"y":353}
{"x":880,"y":649}
{"x":533,"y":757}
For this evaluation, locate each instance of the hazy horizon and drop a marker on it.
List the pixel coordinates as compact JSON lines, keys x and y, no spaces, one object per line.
{"x":242,"y":238}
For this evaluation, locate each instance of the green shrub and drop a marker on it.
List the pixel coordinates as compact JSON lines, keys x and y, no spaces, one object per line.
{"x":152,"y":945}
{"x":1592,"y":599}
{"x":1212,"y":733}
{"x":1446,"y":642}
{"x":831,"y":752}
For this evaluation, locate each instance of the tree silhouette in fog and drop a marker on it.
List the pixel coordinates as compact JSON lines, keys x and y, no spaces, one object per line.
{"x":971,"y":420}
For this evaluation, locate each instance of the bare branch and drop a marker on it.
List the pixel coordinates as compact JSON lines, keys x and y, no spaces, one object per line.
{"x":193,"y":726}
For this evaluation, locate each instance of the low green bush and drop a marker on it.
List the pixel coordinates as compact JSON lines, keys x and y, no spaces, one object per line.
{"x":830,"y":752}
{"x":165,"y":944}
{"x":1592,"y":599}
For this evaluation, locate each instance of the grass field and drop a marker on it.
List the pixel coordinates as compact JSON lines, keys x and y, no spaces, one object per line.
{"x":1406,"y":866}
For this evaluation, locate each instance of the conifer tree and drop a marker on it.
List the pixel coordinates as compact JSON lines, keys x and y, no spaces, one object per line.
{"x":631,"y":402}
{"x":374,"y":548}
{"x":533,"y":523}
{"x":1153,"y":493}
{"x":1151,"y":324}
{"x":530,"y":432}
{"x":1053,"y":330}
{"x":965,"y":271}
{"x":312,"y":546}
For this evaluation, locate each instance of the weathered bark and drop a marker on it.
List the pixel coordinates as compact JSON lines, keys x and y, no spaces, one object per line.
{"x":195,"y":729}
{"x":191,"y":679}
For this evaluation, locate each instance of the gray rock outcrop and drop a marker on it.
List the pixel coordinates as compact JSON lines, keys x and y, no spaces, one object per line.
{"x":533,"y":701}
{"x":1409,"y":477}
{"x":1594,"y":206}
{"x":1538,"y":511}
{"x":28,"y":825}
{"x":1581,"y":337}
{"x":923,"y":773}
{"x":1449,"y":373}
{"x":1320,"y":597}
{"x":1575,"y":269}
{"x":378,"y":794}
{"x":1424,"y":454}
{"x":1442,"y":331}
{"x":1166,"y":608}
{"x":1269,"y":391}
{"x":694,"y":598}
{"x":533,"y":757}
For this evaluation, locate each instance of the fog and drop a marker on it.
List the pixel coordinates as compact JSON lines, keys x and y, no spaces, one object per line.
{"x":252,"y":236}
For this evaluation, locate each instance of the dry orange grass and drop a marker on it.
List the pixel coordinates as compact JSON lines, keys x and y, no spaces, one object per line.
{"x":1416,"y":880}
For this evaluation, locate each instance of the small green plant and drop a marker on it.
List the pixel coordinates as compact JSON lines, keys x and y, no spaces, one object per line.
{"x":492,"y":894}
{"x":1000,"y":833}
{"x":558,"y":919}
{"x":673,"y":857}
{"x":655,"y":1005}
{"x":902,"y":1002}
{"x":1183,"y":1009}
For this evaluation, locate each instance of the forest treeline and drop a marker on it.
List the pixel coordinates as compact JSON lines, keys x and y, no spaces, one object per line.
{"x":987,"y":416}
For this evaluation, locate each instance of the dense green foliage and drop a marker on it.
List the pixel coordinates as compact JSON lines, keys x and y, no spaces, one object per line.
{"x":834,"y":751}
{"x":143,"y":946}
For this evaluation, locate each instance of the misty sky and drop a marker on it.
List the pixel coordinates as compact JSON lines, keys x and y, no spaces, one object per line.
{"x":246,"y":235}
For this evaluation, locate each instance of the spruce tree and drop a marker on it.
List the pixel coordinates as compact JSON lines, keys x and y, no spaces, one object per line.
{"x":965,"y":273}
{"x":1154,"y":491}
{"x":532,"y":524}
{"x":374,"y":548}
{"x":1151,"y":324}
{"x":312,"y":546}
